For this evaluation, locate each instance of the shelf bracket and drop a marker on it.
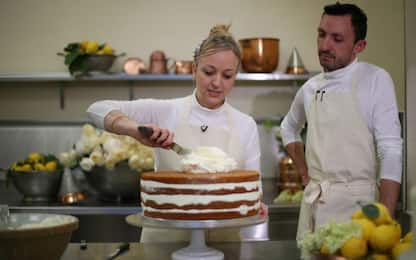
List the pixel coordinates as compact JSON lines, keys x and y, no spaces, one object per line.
{"x":62,"y":95}
{"x":131,"y":90}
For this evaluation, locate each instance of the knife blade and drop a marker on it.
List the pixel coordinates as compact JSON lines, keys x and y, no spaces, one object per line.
{"x":179,"y":149}
{"x":120,"y":250}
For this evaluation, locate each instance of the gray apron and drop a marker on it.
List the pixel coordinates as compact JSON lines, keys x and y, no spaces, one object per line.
{"x":192,"y":136}
{"x":341,"y":159}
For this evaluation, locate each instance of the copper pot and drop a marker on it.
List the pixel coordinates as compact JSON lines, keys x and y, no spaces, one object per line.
{"x":260,"y":55}
{"x":183,"y":67}
{"x":158,"y":63}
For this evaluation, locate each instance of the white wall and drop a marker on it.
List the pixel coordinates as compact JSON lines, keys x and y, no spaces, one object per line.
{"x":33,"y":31}
{"x":411,"y":94}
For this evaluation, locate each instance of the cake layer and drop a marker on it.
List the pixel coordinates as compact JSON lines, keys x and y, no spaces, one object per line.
{"x":195,"y":192}
{"x":182,"y":200}
{"x":200,"y":216}
{"x":214,"y":205}
{"x":154,"y":187}
{"x":201,"y":178}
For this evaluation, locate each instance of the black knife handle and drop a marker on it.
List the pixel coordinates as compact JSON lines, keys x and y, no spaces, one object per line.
{"x":146,"y":131}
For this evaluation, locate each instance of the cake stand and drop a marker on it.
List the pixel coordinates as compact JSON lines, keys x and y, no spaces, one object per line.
{"x":197,"y":248}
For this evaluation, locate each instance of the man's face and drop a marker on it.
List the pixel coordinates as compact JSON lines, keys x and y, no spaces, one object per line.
{"x":336,"y":42}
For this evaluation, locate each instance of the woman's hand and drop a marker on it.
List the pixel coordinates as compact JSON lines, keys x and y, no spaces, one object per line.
{"x":161,"y":137}
{"x":264,"y":211}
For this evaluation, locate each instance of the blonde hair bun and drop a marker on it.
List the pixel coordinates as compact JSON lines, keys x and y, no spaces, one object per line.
{"x":220,"y":29}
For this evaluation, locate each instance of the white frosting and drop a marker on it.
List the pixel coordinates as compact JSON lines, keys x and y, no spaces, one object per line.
{"x":249,"y":186}
{"x":243,"y":210}
{"x":189,"y":199}
{"x":208,"y":159}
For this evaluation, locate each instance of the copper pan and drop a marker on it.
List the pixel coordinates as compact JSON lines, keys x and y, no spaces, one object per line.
{"x":260,"y":55}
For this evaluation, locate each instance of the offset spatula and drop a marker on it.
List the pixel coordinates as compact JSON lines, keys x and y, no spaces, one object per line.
{"x":147,"y":132}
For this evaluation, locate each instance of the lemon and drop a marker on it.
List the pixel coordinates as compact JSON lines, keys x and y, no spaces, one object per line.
{"x":39,"y":167}
{"x":408,"y":237}
{"x":358,"y":214}
{"x":91,"y":47}
{"x":354,"y":248}
{"x":26,"y":167}
{"x":107,"y":49}
{"x":324,"y":249}
{"x":384,"y":237}
{"x":367,"y":227}
{"x":51,"y":166}
{"x":378,"y":213}
{"x":377,"y":256}
{"x":34,"y":157}
{"x":400,"y":248}
{"x":83,"y":45}
{"x":18,"y":168}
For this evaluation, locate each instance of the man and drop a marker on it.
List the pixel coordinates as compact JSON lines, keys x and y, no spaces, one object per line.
{"x":352,"y":120}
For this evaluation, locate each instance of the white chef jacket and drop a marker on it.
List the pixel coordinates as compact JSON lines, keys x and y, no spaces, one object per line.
{"x":377,"y":103}
{"x":166,"y":112}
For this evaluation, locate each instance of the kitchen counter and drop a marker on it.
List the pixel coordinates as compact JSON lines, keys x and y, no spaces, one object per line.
{"x":159,"y":251}
{"x":97,"y":216}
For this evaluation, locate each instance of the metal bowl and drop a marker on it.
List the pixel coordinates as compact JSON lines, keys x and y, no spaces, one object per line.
{"x":120,"y":183}
{"x":95,"y":62}
{"x":37,"y":186}
{"x":260,"y":55}
{"x":35,"y":236}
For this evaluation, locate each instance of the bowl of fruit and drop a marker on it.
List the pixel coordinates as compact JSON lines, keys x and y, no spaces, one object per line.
{"x":88,"y":56}
{"x":371,"y":233}
{"x":37,"y":177}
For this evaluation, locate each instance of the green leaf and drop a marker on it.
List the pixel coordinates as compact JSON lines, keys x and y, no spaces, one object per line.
{"x":268,"y":124}
{"x":371,"y":211}
{"x":79,"y":63}
{"x":72,"y":47}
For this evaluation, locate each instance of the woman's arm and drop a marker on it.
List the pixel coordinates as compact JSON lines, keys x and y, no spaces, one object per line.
{"x":119,"y":123}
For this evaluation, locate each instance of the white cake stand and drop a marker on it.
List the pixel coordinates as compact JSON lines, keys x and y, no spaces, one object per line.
{"x":197,"y":248}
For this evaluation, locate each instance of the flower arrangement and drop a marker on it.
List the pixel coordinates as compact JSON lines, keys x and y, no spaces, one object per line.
{"x":101,"y":148}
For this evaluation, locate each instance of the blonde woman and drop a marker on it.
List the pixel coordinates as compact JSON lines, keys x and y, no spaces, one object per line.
{"x":204,"y":118}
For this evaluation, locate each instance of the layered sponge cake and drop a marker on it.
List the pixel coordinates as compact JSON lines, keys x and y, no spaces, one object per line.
{"x":207,"y":188}
{"x":190,"y":196}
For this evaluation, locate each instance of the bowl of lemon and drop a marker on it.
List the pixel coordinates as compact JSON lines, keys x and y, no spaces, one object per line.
{"x":371,"y":233}
{"x":37,"y":177}
{"x":89,"y":56}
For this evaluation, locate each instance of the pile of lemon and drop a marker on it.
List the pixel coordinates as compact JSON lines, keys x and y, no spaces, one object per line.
{"x":381,"y":235}
{"x":36,"y":162}
{"x":92,"y":47}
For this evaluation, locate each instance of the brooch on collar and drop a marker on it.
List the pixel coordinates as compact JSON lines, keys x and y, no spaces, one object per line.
{"x":204,"y":128}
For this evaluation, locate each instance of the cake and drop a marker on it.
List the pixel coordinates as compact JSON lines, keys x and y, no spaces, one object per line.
{"x":208,"y":190}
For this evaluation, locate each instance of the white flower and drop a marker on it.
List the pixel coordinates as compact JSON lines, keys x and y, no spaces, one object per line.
{"x":86,"y":164}
{"x":89,"y":130}
{"x":111,"y":144}
{"x":97,"y":156}
{"x":134,"y":162}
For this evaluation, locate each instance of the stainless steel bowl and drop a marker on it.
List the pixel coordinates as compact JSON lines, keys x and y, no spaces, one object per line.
{"x":120,"y":183}
{"x":37,"y":185}
{"x":36,"y":236}
{"x":95,"y":62}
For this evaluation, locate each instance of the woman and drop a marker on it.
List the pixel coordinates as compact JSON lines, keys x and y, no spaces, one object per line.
{"x":201,"y":119}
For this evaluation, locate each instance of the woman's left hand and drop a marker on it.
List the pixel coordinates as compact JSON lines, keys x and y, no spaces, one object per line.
{"x":264,"y":210}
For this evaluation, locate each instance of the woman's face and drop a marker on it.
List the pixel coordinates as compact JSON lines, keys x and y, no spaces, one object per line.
{"x":215,"y":76}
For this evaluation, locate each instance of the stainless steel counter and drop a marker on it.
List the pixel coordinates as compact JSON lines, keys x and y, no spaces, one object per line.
{"x":159,"y":251}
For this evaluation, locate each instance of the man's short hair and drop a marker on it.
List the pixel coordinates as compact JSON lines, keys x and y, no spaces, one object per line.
{"x":358,"y":17}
